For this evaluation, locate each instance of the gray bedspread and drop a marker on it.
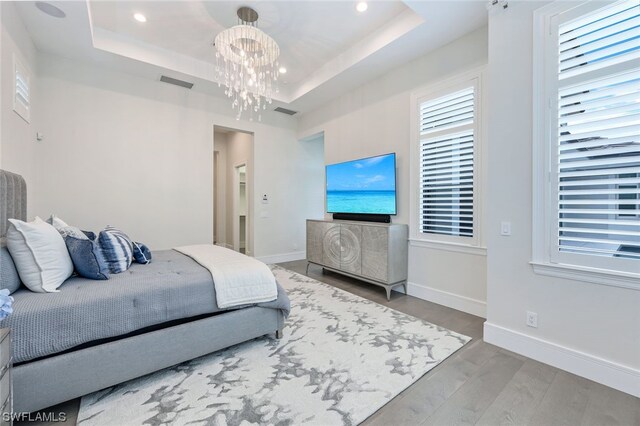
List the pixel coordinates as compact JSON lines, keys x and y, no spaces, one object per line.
{"x":172,"y":287}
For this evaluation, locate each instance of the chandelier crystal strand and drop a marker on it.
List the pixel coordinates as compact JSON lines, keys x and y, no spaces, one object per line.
{"x":247,"y":64}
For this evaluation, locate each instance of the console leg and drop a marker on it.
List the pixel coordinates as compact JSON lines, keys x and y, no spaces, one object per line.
{"x":308,"y":268}
{"x":388,"y":292}
{"x":279,"y":333}
{"x":405,"y":288}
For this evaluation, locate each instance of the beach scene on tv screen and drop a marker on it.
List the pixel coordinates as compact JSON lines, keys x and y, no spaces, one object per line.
{"x":362,"y":186}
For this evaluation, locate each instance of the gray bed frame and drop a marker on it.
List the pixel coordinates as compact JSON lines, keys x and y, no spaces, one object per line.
{"x":58,"y":378}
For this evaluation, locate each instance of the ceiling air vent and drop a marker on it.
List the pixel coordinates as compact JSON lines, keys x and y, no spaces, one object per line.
{"x":175,"y":81}
{"x":285,"y":111}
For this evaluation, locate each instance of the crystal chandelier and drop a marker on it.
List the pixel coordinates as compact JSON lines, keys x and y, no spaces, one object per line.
{"x":247,"y":64}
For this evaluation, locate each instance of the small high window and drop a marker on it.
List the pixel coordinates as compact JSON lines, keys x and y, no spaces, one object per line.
{"x":21,"y":90}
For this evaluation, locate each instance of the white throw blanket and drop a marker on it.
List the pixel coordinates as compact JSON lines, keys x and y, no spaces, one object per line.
{"x":238,"y":279}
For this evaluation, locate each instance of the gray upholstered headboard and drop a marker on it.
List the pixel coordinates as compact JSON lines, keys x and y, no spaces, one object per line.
{"x":13,"y":199}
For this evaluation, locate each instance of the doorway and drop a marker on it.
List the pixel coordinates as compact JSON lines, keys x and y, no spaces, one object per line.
{"x":233,"y":189}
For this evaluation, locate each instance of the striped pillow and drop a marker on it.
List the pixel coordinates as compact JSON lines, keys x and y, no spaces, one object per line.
{"x":117,"y":249}
{"x":141,"y":253}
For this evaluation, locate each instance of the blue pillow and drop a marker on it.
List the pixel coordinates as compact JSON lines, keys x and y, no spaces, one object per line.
{"x":9,"y":278}
{"x":87,"y":258}
{"x":117,"y":249}
{"x":141,"y":253}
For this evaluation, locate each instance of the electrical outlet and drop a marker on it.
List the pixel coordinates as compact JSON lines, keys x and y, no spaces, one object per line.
{"x":532,"y":319}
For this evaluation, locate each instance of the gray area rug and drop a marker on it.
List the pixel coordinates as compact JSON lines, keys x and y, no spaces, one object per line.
{"x":341,"y":359}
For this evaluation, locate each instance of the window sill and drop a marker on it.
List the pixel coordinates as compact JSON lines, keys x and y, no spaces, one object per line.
{"x":446,"y":246}
{"x":590,"y":275}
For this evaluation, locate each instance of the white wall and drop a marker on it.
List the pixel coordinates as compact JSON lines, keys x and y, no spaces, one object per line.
{"x":590,"y":329}
{"x":311,"y":167}
{"x":374,"y":119}
{"x":138,"y":154}
{"x":17,"y":137}
{"x":297,"y":196}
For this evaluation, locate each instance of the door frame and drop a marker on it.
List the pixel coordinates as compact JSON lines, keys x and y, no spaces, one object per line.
{"x":216,"y":194}
{"x":236,"y":205}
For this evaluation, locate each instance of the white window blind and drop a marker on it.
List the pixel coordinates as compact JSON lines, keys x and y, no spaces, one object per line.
{"x":597,"y":150}
{"x":22,"y":91}
{"x":447,"y":164}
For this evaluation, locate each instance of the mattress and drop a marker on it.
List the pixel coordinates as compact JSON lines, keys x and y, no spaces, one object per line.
{"x":172,"y":287}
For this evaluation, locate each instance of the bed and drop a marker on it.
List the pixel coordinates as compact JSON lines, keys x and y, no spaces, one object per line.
{"x":95,"y":334}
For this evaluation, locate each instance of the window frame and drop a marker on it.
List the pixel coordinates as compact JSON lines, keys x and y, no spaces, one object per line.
{"x":470,"y":245}
{"x":545,"y":260}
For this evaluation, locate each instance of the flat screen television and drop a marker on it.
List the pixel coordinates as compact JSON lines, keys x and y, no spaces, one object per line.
{"x":367,"y":185}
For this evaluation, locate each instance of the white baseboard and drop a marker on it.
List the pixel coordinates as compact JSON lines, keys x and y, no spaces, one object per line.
{"x":451,"y":300}
{"x":617,"y":376}
{"x":283,"y":257}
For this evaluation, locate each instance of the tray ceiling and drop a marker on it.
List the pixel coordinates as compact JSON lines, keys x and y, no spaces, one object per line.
{"x":324,"y":44}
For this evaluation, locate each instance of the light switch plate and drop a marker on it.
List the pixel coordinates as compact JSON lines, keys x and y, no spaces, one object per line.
{"x":505,"y":228}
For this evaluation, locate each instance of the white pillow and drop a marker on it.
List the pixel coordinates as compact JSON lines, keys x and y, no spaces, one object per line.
{"x":66,"y":230}
{"x":40,"y":255}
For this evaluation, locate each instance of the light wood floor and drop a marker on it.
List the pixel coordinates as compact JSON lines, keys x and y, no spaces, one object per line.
{"x":481,"y":383}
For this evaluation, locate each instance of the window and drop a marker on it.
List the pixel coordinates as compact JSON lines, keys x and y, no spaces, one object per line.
{"x":446,"y":154}
{"x":591,"y":80}
{"x":21,"y":90}
{"x":446,"y":164}
{"x":629,"y":190}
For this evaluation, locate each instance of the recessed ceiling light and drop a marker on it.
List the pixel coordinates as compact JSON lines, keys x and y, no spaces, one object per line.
{"x":282,"y":70}
{"x":362,"y":6}
{"x":50,"y":9}
{"x":139,"y":17}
